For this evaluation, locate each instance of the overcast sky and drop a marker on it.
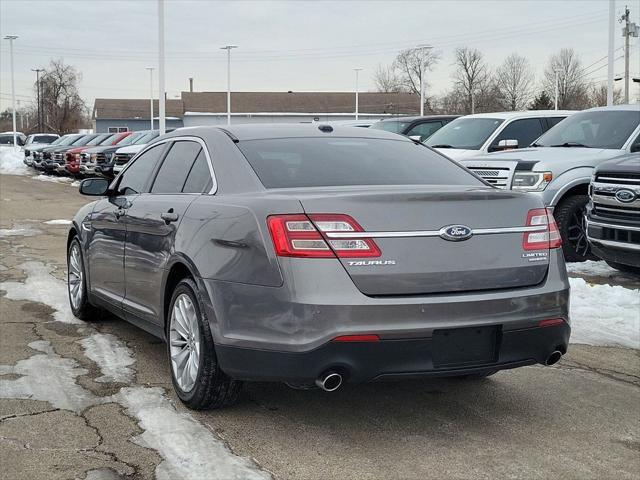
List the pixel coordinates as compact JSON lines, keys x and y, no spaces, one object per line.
{"x":294,"y":45}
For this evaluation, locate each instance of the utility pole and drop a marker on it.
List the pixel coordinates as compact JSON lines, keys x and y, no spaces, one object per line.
{"x":612,"y":16}
{"x":629,"y":30}
{"x":555,"y":107}
{"x":357,"y":70}
{"x":422,"y":68}
{"x":151,"y":69}
{"x":38,"y":70}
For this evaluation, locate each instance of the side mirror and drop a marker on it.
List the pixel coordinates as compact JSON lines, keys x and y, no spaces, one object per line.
{"x":635,"y":147}
{"x":416,"y":138}
{"x":507,"y":144}
{"x":96,"y":187}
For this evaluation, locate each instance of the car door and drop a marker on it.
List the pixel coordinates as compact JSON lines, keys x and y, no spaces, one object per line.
{"x":524,"y":130}
{"x":108,"y":230}
{"x":152,"y":223}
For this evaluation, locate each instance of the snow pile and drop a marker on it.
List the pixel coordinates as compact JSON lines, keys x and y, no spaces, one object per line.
{"x":590,"y":267}
{"x":42,"y":287}
{"x":113,"y":357}
{"x":604,"y":314}
{"x":190,"y":450}
{"x":11,"y":162}
{"x":58,"y":222}
{"x":19,"y":231}
{"x":53,"y":179}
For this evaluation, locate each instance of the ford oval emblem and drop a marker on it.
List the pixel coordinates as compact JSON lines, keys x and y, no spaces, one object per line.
{"x":625,"y":195}
{"x":456,"y":233}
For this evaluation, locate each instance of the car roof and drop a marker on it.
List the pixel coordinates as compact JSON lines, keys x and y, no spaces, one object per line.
{"x":287,"y":130}
{"x":614,"y":108}
{"x":522,"y":114}
{"x":418,"y":117}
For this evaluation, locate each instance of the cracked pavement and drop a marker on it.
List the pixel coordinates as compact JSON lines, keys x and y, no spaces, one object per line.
{"x":578,"y":419}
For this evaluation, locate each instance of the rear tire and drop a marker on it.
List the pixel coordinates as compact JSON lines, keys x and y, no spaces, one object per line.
{"x":196,"y":375}
{"x":624,"y":268}
{"x":569,"y":215}
{"x":77,"y":284}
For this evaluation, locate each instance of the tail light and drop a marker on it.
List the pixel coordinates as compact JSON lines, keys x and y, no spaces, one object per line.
{"x":305,"y":236}
{"x":543,"y":239}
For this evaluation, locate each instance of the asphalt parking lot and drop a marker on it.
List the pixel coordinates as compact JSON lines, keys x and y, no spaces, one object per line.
{"x":94,"y":400}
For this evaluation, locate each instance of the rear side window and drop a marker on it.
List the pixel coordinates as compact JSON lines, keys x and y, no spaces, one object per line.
{"x":318,"y":162}
{"x":175,"y":168}
{"x":199,"y":178}
{"x":136,"y":177}
{"x":424,"y":130}
{"x":524,"y":131}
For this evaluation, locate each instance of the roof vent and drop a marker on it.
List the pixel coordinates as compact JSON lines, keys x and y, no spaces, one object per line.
{"x":325,"y":128}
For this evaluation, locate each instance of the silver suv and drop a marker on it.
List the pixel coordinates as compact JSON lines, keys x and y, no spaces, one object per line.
{"x":560,"y":163}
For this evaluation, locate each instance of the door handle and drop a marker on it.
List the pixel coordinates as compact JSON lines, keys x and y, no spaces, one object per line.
{"x":169,"y":216}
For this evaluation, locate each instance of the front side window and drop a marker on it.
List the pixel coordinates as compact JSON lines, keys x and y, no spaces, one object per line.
{"x":175,"y":168}
{"x":593,"y":129}
{"x":524,"y":131}
{"x":464,"y":133}
{"x":319,"y":162}
{"x":424,"y":130}
{"x":137,"y":175}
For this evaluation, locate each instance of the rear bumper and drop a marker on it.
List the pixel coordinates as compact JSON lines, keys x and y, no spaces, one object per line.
{"x":389,"y":359}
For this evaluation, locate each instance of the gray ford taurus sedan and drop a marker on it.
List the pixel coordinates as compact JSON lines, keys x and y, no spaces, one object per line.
{"x":317,"y":255}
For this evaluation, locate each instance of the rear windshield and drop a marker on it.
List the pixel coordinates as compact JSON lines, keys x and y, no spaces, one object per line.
{"x":321,"y":162}
{"x":464,"y":133}
{"x":44,"y":138}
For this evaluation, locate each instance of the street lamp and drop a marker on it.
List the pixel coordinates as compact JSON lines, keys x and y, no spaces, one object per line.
{"x":422,"y":47}
{"x":228,"y":49}
{"x":11,"y":38}
{"x":162,"y":125}
{"x":357,"y":70}
{"x":151,"y":69}
{"x":555,"y":103}
{"x":38,"y":70}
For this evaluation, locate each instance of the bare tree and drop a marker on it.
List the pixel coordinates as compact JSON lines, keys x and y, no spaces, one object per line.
{"x":471,"y":75}
{"x":573,"y":88}
{"x":412,"y":65}
{"x":63,"y":109}
{"x":514,"y":81}
{"x":387,"y":80}
{"x":598,"y":96}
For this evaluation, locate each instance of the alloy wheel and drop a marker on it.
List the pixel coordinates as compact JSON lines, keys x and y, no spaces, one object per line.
{"x":75,"y":277}
{"x":184,"y":342}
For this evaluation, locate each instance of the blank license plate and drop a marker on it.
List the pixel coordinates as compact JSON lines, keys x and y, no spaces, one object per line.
{"x":464,"y":346}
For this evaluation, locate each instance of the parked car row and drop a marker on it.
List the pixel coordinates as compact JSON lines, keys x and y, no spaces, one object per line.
{"x":87,"y":154}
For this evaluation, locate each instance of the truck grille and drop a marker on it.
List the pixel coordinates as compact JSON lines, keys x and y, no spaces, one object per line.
{"x":101,"y":158}
{"x":603,"y":192}
{"x":57,"y":156}
{"x":498,"y":176}
{"x":84,"y":157}
{"x":122,"y":158}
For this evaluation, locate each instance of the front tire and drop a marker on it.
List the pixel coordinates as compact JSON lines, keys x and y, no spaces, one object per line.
{"x":196,"y":375}
{"x":77,"y":284}
{"x":569,"y":215}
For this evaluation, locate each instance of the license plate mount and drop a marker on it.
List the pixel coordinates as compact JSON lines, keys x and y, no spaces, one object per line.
{"x":459,"y":347}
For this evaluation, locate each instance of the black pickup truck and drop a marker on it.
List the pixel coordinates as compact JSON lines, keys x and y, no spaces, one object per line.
{"x":613,"y":212}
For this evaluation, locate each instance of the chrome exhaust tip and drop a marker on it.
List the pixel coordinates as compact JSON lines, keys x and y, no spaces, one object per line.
{"x":555,"y":356}
{"x":329,"y":381}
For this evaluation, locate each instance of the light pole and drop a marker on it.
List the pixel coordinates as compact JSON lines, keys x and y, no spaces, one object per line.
{"x":228,"y":49}
{"x":151,"y":69}
{"x":38,"y":70}
{"x":422,"y":47}
{"x":357,"y":70}
{"x":161,"y":92}
{"x":11,"y":38}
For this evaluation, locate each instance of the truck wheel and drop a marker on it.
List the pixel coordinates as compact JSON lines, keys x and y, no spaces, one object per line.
{"x":569,"y":215}
{"x":195,"y":372}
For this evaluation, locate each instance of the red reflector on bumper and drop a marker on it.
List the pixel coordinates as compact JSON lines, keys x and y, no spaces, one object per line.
{"x":357,"y":338}
{"x":552,"y":322}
